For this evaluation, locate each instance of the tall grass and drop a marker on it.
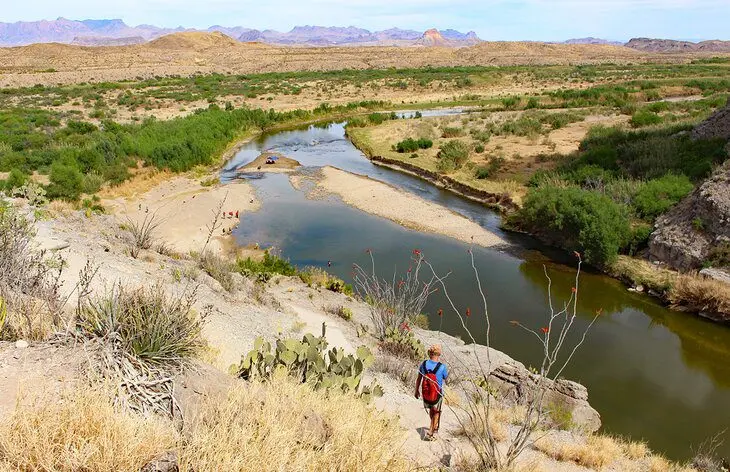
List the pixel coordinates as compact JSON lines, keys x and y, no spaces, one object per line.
{"x":81,"y":430}
{"x":288,"y":426}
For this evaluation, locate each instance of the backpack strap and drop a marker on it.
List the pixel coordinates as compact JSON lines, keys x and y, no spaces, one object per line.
{"x":422,"y":369}
{"x":436,"y":369}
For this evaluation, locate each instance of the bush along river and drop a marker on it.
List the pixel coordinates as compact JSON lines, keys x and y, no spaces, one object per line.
{"x":652,"y":373}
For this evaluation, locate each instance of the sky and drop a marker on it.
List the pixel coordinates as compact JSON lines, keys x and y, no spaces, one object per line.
{"x":539,"y":20}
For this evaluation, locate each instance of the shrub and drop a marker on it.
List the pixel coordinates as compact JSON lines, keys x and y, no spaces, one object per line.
{"x":532,"y":103}
{"x":67,"y":182}
{"x":452,"y":156}
{"x":340,"y":311}
{"x":411,"y":145}
{"x":452,"y":132}
{"x":485,"y":172}
{"x":16,"y":179}
{"x":479,"y":148}
{"x":639,"y":238}
{"x":659,"y":195}
{"x":511,"y":103}
{"x":719,"y":255}
{"x":266,"y":268}
{"x":146,"y":324}
{"x":29,"y":287}
{"x":577,"y":220}
{"x":645,"y":118}
{"x":218,"y":268}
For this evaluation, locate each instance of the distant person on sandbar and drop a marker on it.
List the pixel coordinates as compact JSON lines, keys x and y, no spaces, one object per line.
{"x":430,"y":387}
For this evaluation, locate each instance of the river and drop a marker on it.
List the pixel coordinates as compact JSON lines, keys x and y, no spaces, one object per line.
{"x":652,"y":373}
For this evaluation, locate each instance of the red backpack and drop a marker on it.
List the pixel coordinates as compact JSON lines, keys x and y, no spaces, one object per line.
{"x":430,"y":389}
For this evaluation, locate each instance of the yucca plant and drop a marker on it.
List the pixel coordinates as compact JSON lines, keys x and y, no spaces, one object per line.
{"x":145,"y":323}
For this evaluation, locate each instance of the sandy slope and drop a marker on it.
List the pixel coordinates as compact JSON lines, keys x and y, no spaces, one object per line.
{"x":404,"y":208}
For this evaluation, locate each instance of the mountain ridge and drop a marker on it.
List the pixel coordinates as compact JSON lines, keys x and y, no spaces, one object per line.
{"x":102,"y":32}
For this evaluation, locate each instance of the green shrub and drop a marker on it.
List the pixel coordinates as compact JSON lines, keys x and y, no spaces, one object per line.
{"x":639,"y":238}
{"x":659,"y":195}
{"x":264,"y":269}
{"x":410,"y":145}
{"x":479,"y":148}
{"x":645,"y":118}
{"x":485,"y":172}
{"x":511,"y":103}
{"x":452,"y":156}
{"x":67,"y":182}
{"x":532,"y":103}
{"x":16,"y":179}
{"x":576,"y":220}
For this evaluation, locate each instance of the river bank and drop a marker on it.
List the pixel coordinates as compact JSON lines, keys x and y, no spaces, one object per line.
{"x":403,"y":208}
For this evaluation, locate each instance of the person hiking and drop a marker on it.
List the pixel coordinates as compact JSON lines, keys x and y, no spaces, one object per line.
{"x":430,"y":387}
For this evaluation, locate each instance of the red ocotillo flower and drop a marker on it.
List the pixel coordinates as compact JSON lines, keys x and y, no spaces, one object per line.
{"x":545,"y":329}
{"x":576,"y":254}
{"x":441,"y":312}
{"x":468,"y":312}
{"x":416,"y":252}
{"x":573,"y":289}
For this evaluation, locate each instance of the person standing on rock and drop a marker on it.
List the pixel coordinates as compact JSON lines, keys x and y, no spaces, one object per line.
{"x":430,"y":386}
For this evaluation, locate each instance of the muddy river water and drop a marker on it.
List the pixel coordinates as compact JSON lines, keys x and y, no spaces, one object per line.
{"x":652,"y":373}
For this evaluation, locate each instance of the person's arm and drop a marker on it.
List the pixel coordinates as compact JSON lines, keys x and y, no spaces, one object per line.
{"x":418,"y":385}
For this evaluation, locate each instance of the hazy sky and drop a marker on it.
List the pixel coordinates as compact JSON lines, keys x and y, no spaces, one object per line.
{"x":491,"y":19}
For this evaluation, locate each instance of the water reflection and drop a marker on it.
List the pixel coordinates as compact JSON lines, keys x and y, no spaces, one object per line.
{"x":652,"y":373}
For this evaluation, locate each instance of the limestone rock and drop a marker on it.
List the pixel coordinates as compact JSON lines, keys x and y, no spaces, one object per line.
{"x":20,"y":344}
{"x":685,"y":235}
{"x":716,"y":126}
{"x":167,"y":462}
{"x":717,"y":274}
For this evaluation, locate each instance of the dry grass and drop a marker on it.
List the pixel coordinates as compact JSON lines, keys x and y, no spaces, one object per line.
{"x":143,"y":181}
{"x":690,"y":290}
{"x":256,"y":429}
{"x":700,"y":294}
{"x":82,"y":431}
{"x":595,"y":452}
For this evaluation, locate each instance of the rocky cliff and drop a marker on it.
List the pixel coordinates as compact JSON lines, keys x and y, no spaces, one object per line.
{"x":685,"y":237}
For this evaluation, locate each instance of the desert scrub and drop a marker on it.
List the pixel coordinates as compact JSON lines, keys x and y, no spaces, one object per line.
{"x":82,"y":430}
{"x":29,"y":282}
{"x":219,"y":268}
{"x":325,"y":432}
{"x":401,"y":342}
{"x":316,"y":277}
{"x":145,"y":323}
{"x":657,"y":196}
{"x":410,"y":145}
{"x":266,"y":268}
{"x":452,"y":156}
{"x":339,"y":311}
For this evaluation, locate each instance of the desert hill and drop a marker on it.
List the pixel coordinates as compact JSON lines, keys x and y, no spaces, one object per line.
{"x":669,"y":45}
{"x":199,"y":52}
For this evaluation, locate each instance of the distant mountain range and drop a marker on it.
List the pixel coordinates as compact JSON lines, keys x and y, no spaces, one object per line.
{"x":670,"y":45}
{"x":116,"y":32}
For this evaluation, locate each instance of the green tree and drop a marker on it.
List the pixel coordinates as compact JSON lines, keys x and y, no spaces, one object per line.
{"x":16,"y":179}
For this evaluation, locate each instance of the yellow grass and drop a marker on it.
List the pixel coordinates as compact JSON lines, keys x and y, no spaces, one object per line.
{"x":263,"y":429}
{"x":595,"y":452}
{"x":80,"y":431}
{"x":144,"y":180}
{"x":690,"y":290}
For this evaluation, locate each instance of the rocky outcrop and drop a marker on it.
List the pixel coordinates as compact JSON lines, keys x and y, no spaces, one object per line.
{"x":514,"y":382}
{"x":716,"y":126}
{"x":684,"y":237}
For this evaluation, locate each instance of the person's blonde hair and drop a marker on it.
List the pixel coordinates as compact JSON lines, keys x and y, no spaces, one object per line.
{"x":434,"y":350}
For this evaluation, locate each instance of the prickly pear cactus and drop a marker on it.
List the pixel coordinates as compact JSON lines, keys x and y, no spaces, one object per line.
{"x":311,"y":362}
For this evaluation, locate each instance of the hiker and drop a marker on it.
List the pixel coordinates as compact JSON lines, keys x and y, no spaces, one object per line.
{"x":430,"y":387}
{"x":329,"y":263}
